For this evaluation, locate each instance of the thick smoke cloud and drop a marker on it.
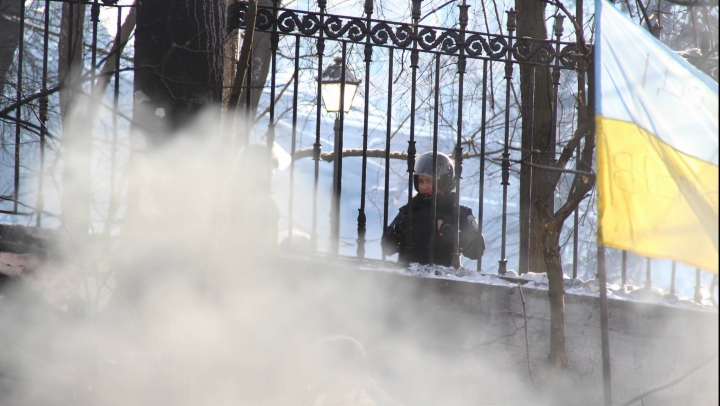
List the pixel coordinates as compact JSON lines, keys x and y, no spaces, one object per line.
{"x":186,"y":307}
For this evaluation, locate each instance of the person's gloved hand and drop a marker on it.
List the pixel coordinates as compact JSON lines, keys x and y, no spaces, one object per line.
{"x":396,"y":229}
{"x":447,"y":232}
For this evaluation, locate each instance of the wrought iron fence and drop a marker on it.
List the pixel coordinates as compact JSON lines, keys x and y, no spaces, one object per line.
{"x":458,"y":46}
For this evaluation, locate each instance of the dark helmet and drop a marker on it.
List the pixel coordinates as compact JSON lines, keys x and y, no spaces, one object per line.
{"x":445,"y":171}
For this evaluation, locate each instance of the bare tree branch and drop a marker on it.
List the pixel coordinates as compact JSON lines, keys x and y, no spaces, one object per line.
{"x":669,"y":384}
{"x":330,"y":156}
{"x":710,"y":3}
{"x":116,"y":51}
{"x":267,"y":109}
{"x":527,"y":342}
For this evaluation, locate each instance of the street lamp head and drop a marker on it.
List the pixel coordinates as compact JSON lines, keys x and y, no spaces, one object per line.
{"x":332,"y":80}
{"x":558,"y":26}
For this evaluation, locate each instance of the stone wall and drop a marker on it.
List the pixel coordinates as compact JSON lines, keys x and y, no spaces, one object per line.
{"x":464,"y":343}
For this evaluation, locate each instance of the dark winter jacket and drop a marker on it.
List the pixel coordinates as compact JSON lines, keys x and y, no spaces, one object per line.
{"x":399,"y":237}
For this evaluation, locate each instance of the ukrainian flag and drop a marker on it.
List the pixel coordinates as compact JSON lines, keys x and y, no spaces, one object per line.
{"x":657,"y":146}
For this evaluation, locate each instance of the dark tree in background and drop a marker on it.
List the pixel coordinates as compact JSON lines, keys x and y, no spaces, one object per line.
{"x":9,"y":38}
{"x":178,"y":60}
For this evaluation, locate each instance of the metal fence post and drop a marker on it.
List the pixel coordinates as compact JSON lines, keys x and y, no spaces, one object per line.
{"x":511,"y":24}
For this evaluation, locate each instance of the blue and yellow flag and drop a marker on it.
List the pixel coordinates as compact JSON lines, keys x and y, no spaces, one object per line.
{"x":657,"y":146}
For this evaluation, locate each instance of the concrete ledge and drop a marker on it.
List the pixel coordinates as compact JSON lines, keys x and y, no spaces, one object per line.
{"x":650,"y":344}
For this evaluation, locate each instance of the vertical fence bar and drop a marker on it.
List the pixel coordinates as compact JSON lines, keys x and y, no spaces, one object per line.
{"x":624,"y":267}
{"x":18,"y":110}
{"x":95,"y":18}
{"x":713,"y":285}
{"x":274,"y":39}
{"x":337,"y":195}
{"x":558,"y":28}
{"x":506,"y":152}
{"x":576,"y":222}
{"x":433,"y":204}
{"x":334,"y":236}
{"x":43,"y":116}
{"x":673,"y":268}
{"x":248,"y":100}
{"x":414,"y":55}
{"x":648,"y":273}
{"x":698,"y":286}
{"x":481,"y":188}
{"x":116,"y":105}
{"x":270,"y":141}
{"x":579,"y":10}
{"x":388,"y":131}
{"x":463,"y":19}
{"x":317,"y":146}
{"x":291,"y":192}
{"x":362,"y":219}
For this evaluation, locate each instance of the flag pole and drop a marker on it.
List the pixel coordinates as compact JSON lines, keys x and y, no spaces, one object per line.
{"x":601,"y":271}
{"x":604,"y":333}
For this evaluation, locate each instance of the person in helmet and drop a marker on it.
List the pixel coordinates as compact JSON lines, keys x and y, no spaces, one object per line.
{"x":414,"y":244}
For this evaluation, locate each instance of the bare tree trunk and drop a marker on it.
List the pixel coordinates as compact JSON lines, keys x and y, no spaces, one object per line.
{"x":535,"y":93}
{"x":179,"y":62}
{"x":9,"y":37}
{"x":556,"y":293}
{"x":552,"y":222}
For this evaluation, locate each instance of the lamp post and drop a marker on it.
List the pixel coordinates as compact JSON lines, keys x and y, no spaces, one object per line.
{"x":339,"y":85}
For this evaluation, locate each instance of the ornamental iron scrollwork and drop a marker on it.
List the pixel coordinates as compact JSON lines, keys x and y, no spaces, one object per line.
{"x":528,"y":50}
{"x":289,"y":21}
{"x":355,"y":28}
{"x":400,"y":35}
{"x":568,"y":56}
{"x":264,"y":19}
{"x":449,"y":41}
{"x":496,"y":48}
